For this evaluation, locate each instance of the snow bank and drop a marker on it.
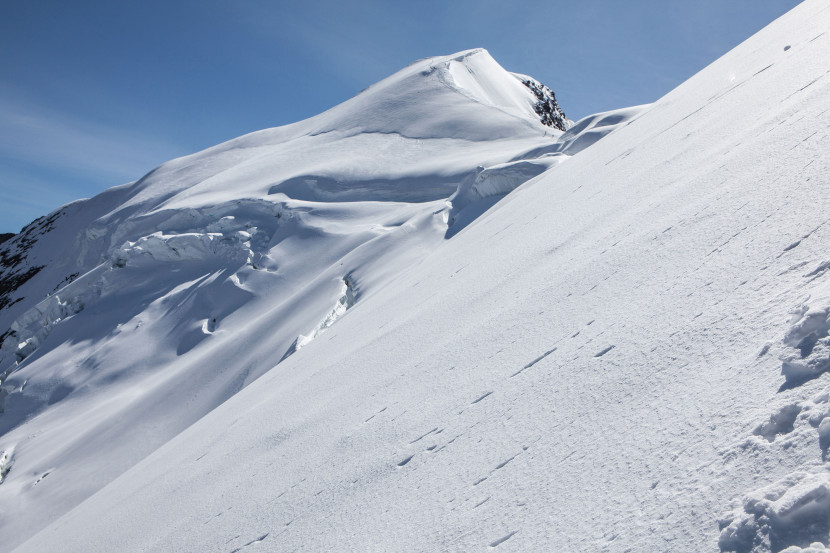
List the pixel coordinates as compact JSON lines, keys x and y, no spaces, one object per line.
{"x":794,"y":511}
{"x":587,"y":132}
{"x":815,"y":547}
{"x":807,"y":344}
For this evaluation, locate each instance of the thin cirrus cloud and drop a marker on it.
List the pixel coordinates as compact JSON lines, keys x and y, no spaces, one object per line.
{"x":62,"y":141}
{"x":339,"y":40}
{"x":48,"y":158}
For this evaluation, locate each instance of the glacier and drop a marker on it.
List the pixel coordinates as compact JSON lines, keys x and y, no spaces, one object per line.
{"x":425,"y":320}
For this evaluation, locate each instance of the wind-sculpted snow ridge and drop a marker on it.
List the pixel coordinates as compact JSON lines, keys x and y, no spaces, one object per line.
{"x":587,"y":131}
{"x":481,"y":190}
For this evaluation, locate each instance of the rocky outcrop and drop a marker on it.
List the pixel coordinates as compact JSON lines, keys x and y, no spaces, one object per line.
{"x":546,"y":107}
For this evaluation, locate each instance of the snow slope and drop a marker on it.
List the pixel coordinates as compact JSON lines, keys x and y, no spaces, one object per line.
{"x":628,"y":352}
{"x":129,"y":316}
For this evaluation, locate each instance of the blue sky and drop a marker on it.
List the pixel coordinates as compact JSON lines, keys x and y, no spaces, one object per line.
{"x":97,"y":93}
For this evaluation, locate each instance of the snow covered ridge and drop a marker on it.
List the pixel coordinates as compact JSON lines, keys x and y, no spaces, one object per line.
{"x":191,"y":231}
{"x":157,"y":300}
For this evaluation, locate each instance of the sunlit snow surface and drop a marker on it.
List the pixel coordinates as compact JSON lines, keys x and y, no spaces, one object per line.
{"x":158,"y":300}
{"x":593,"y":363}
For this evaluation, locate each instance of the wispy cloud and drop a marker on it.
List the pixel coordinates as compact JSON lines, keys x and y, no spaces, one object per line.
{"x":25,"y":197}
{"x":356,"y":43}
{"x":38,"y":135}
{"x":48,"y":158}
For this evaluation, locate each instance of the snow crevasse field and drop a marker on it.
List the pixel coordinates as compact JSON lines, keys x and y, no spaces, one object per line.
{"x":424,"y":321}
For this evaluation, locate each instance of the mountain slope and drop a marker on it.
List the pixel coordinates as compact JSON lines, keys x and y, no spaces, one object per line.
{"x":594,"y":364}
{"x":129,"y":316}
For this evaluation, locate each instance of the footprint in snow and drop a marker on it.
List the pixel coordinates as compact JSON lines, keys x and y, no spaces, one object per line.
{"x":503,"y":539}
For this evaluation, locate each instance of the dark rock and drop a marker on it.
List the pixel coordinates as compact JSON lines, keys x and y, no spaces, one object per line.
{"x":547,"y":108}
{"x":15,"y":268}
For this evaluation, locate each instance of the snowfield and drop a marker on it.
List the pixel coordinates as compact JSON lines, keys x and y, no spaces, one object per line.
{"x":425,"y":321}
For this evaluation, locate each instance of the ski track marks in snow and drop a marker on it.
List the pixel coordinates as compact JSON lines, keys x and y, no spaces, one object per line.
{"x":406,"y":460}
{"x":553,"y":349}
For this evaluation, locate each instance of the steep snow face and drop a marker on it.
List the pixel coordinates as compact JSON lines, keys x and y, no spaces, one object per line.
{"x":594,"y":364}
{"x":127,"y":317}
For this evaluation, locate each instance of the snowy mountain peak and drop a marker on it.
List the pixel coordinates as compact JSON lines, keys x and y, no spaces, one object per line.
{"x":466,"y":95}
{"x":426,"y":311}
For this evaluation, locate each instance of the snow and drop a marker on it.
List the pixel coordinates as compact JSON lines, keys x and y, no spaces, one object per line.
{"x":792,"y":510}
{"x":424,"y":321}
{"x":807,"y":352}
{"x":344,"y":302}
{"x":165,"y":297}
